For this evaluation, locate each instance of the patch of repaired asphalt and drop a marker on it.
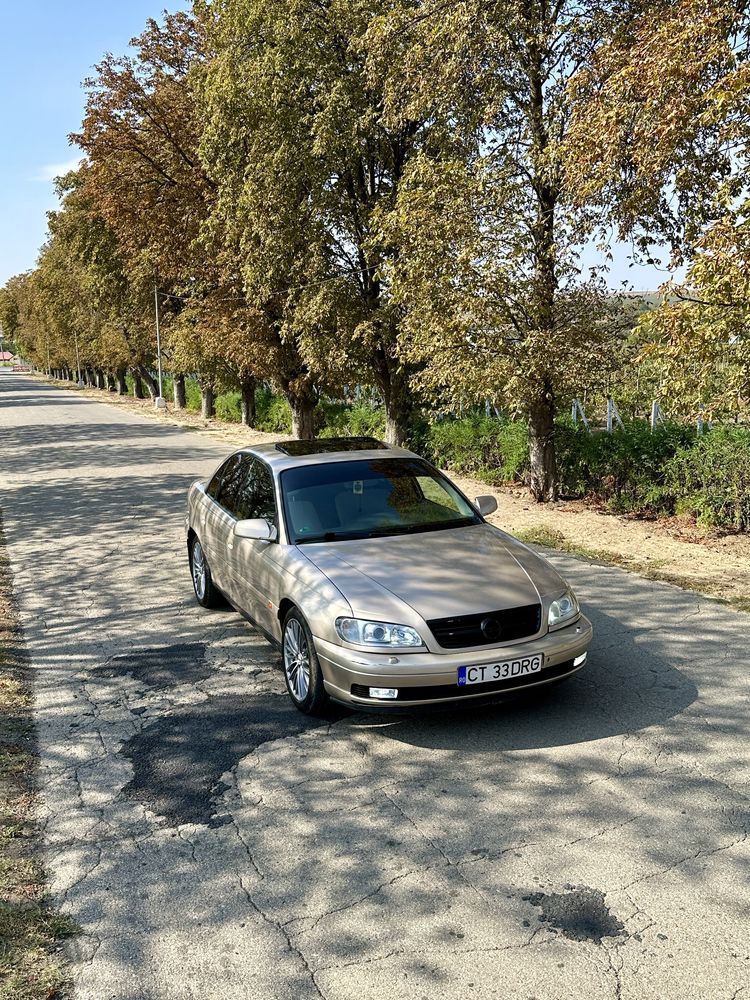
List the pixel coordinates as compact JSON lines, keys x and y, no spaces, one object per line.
{"x":163,"y":666}
{"x":178,"y":761}
{"x":580,"y":913}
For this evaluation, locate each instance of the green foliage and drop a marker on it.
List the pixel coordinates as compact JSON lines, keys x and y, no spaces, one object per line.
{"x":711,"y":479}
{"x":625,"y":468}
{"x":273,"y":413}
{"x":192,"y":394}
{"x":342,"y":420}
{"x":229,"y":407}
{"x":494,"y":450}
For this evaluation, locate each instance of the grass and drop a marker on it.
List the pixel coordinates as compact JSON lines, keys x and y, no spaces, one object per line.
{"x":651,"y":570}
{"x":31,"y":932}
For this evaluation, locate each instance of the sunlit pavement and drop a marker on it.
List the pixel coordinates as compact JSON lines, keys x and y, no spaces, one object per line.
{"x":212,"y":842}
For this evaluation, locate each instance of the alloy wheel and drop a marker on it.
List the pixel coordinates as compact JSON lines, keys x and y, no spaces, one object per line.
{"x":199,"y":571}
{"x":297,"y":659}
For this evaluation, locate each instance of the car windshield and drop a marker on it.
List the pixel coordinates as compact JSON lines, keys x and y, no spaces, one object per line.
{"x":369,"y":498}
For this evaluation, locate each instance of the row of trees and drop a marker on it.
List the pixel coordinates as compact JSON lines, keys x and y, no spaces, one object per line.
{"x":396,"y":193}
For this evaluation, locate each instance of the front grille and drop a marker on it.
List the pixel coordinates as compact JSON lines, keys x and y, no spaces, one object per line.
{"x":437,"y":691}
{"x":499,"y":627}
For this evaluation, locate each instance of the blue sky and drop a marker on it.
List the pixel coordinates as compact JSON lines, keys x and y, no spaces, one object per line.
{"x":46,"y":51}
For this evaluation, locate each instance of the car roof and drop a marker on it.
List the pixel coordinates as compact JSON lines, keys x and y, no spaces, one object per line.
{"x":275,"y":455}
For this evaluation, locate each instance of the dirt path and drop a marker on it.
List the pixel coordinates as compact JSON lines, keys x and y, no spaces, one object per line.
{"x":672,"y":551}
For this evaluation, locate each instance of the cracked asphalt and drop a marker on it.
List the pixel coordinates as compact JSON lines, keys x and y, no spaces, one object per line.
{"x":211,"y":842}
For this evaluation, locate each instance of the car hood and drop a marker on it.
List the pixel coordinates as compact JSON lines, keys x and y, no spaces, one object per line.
{"x":438,"y":574}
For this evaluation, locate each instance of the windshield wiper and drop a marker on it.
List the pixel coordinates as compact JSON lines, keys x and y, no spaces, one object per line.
{"x":328,"y":536}
{"x":411,"y":529}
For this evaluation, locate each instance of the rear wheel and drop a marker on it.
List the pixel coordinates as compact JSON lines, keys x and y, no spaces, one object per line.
{"x":205,"y":593}
{"x":302,"y":673}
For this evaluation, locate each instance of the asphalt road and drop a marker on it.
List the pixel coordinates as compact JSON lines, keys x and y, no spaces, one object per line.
{"x":211,"y":842}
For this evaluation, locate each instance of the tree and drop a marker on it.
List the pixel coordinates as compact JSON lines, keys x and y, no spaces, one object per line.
{"x":9,"y":308}
{"x":78,"y":308}
{"x":307,"y":170}
{"x":141,"y":135}
{"x":487,"y":270}
{"x":660,"y":143}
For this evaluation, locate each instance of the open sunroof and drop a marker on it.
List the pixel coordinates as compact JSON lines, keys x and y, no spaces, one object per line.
{"x":324,"y":446}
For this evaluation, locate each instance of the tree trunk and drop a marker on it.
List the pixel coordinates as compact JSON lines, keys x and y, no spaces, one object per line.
{"x":399,"y":408}
{"x":178,"y":389}
{"x":122,"y":385}
{"x":247,"y":390}
{"x":90,"y":379}
{"x":303,"y":408}
{"x":393,"y":382}
{"x":111,"y":384}
{"x":208,"y":402}
{"x":101,"y":382}
{"x":153,"y":388}
{"x":543,"y":475}
{"x":137,"y":385}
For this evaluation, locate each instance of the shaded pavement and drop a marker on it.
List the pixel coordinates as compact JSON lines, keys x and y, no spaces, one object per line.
{"x":212,"y":842}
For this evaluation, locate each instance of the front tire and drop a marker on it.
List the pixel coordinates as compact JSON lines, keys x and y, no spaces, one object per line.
{"x":302,"y":673}
{"x":206,"y":593}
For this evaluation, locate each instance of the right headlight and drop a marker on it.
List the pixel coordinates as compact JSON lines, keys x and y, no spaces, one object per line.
{"x":563,"y":610}
{"x":383,"y":634}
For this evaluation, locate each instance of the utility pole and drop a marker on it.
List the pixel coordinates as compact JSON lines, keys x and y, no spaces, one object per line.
{"x":159,"y":402}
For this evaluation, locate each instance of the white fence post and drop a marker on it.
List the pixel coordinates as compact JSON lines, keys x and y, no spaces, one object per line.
{"x":613,"y":414}
{"x":578,"y":409}
{"x":657,"y":415}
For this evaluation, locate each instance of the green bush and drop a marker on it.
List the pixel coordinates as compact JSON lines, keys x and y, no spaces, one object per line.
{"x":229,"y":407}
{"x":711,"y":479}
{"x":192,"y":393}
{"x":345,"y":420}
{"x":273,"y":413}
{"x":492,"y":449}
{"x":626,"y":468}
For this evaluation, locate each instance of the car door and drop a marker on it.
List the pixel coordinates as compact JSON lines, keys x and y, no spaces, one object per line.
{"x":255,"y":567}
{"x":217,"y":521}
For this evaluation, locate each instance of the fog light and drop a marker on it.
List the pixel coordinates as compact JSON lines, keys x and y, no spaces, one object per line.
{"x":384,"y":692}
{"x":579,"y":660}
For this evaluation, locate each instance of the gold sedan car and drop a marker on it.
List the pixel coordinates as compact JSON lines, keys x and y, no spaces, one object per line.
{"x":380,"y":582}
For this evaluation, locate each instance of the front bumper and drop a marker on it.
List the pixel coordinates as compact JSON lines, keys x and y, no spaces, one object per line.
{"x":432,"y":678}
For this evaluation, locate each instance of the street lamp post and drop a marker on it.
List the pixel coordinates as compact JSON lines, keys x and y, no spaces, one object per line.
{"x":78,"y":359}
{"x":159,"y":402}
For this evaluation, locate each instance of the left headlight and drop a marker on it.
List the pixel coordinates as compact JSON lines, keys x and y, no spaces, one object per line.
{"x":563,"y":609}
{"x":383,"y":634}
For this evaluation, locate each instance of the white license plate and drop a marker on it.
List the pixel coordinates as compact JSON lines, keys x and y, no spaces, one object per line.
{"x":485,"y":673}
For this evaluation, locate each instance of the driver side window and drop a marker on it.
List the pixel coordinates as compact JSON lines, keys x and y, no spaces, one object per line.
{"x":255,"y":497}
{"x":225,"y":485}
{"x":214,"y":486}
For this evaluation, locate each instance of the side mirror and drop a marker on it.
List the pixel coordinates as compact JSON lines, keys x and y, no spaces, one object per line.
{"x":256,"y":527}
{"x":486,"y":505}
